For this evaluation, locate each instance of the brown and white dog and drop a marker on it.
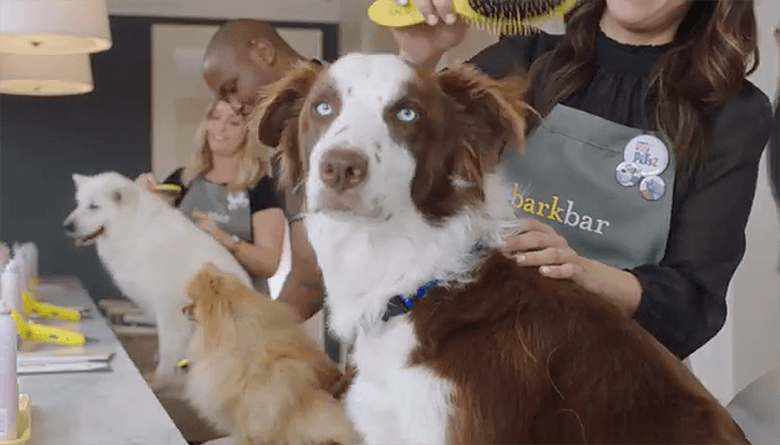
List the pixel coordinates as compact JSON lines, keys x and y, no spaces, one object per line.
{"x":399,"y":174}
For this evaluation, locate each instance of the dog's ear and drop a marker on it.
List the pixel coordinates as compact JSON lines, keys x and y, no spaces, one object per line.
{"x":79,"y":179}
{"x":492,"y":112}
{"x":277,"y":115}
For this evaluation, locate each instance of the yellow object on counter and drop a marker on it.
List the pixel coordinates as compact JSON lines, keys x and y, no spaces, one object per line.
{"x":32,"y":306}
{"x":29,"y":330}
{"x":23,"y":422}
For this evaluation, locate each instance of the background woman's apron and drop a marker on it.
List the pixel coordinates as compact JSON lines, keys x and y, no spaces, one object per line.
{"x":567,"y":179}
{"x":232,"y":212}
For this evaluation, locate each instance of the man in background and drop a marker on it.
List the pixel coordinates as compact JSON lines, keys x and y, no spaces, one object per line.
{"x":242,"y":57}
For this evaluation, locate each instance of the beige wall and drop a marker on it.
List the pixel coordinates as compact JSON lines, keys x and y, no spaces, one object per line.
{"x":756,"y":305}
{"x":278,"y":10}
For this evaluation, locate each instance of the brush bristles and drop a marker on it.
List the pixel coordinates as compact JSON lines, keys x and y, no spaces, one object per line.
{"x":514,"y":16}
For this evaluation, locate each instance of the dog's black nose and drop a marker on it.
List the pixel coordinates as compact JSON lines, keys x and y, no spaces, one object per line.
{"x":69,"y":226}
{"x":343,"y":169}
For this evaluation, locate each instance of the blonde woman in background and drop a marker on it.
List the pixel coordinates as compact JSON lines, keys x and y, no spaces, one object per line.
{"x":226,"y":191}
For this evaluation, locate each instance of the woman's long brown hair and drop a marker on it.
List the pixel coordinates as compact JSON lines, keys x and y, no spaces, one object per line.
{"x":715,"y":48}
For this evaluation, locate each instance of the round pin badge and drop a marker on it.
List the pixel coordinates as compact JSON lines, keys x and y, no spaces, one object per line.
{"x":628,"y":174}
{"x":648,"y":153}
{"x":652,"y":188}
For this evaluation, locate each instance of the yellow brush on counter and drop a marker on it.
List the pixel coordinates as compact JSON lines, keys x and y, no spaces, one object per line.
{"x":49,"y":334}
{"x":31,"y":306}
{"x":497,"y":16}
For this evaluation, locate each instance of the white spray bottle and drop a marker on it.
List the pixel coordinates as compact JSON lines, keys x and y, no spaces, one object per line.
{"x":9,"y":282}
{"x":22,"y":268}
{"x":5,"y":254}
{"x":32,"y":253}
{"x":9,"y":385}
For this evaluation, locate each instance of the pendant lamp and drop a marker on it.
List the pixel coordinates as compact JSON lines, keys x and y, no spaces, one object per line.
{"x":54,"y":26}
{"x":45,"y":75}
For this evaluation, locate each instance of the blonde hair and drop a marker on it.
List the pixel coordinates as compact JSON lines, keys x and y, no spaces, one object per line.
{"x":254,"y":163}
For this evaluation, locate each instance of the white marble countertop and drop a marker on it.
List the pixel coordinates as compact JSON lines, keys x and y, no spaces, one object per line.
{"x":92,"y":408}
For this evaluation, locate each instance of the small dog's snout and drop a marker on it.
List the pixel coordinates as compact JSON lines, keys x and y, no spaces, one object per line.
{"x":342,"y":169}
{"x":69,"y":226}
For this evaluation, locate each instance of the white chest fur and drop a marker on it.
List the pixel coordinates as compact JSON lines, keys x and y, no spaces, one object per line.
{"x":390,"y":401}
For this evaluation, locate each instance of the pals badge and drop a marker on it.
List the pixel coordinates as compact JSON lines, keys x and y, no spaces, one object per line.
{"x":648,"y":153}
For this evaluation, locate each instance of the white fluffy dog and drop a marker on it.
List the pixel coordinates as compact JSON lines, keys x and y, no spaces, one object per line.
{"x":151,"y":251}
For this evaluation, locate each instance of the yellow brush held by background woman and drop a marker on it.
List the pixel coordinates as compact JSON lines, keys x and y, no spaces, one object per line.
{"x":496,"y":16}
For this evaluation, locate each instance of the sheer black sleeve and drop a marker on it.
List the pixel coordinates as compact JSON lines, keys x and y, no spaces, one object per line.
{"x":513,"y":53}
{"x":684,"y":297}
{"x":263,"y":195}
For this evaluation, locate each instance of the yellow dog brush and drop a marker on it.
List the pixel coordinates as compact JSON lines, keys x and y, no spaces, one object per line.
{"x":497,"y":16}
{"x":29,"y":330}
{"x":31,"y":306}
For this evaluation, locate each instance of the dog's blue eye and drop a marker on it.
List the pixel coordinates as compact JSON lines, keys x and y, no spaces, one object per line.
{"x":93,"y":206}
{"x":323,"y":109}
{"x":406,"y":114}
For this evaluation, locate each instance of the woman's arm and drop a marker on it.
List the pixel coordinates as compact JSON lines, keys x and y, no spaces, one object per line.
{"x":539,"y":245}
{"x":684,"y":299}
{"x":303,"y":289}
{"x":261,"y":257}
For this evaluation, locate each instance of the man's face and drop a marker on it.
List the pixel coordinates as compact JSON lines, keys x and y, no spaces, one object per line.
{"x":233,"y":76}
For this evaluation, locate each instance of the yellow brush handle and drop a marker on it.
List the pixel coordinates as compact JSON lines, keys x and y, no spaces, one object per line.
{"x":31,"y":306}
{"x":48,"y":334}
{"x":167,"y":187}
{"x":200,"y":215}
{"x":388,"y":13}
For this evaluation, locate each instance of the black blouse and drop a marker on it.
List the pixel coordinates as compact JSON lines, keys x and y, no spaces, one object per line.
{"x":261,"y":197}
{"x":683,"y":300}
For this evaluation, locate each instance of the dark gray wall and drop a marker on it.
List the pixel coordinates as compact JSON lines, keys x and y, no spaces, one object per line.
{"x":43,"y":141}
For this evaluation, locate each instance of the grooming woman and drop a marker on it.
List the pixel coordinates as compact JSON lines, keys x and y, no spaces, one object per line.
{"x":226,"y":191}
{"x":638,"y":180}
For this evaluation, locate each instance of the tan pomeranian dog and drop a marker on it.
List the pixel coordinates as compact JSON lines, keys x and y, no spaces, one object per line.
{"x":254,"y":373}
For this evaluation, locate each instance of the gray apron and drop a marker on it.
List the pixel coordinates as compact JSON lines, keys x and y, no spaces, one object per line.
{"x":567,"y":179}
{"x":231,"y":212}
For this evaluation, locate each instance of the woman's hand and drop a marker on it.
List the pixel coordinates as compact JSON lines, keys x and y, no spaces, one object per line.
{"x":539,"y":245}
{"x":208,"y":225}
{"x":426,"y":43}
{"x":147,"y":180}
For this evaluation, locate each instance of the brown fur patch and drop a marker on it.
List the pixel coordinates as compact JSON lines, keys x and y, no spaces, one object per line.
{"x":537,"y":360}
{"x":281,"y":104}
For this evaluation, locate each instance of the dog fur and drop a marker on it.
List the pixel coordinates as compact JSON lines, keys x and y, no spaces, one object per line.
{"x":255,"y":373}
{"x":150,"y":250}
{"x":496,"y":353}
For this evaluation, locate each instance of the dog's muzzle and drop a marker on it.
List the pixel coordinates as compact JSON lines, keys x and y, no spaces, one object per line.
{"x":70,"y":230}
{"x":342,"y":171}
